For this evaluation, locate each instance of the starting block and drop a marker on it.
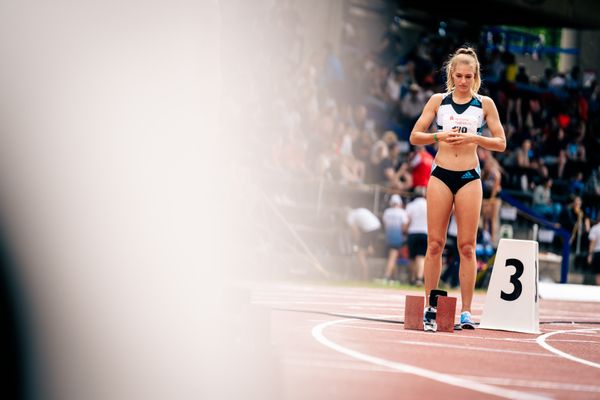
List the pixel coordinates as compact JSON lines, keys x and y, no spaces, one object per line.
{"x":446,"y":311}
{"x":414,"y":307}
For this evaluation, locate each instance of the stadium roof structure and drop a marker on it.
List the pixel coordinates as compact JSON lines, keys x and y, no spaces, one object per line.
{"x":577,"y":14}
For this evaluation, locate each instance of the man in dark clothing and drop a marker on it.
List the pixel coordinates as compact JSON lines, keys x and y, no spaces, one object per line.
{"x":572,"y":219}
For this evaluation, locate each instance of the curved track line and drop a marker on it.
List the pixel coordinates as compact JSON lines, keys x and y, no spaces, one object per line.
{"x":462,"y":383}
{"x":541,"y":340}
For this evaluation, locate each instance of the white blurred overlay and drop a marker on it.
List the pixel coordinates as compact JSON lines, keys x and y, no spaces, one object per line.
{"x":114,"y":192}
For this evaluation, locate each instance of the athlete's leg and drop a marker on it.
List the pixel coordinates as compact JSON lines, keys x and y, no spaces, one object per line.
{"x":439,"y":206}
{"x":467,"y":206}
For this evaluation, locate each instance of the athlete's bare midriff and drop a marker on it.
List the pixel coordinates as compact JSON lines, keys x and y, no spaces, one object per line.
{"x":457,"y":157}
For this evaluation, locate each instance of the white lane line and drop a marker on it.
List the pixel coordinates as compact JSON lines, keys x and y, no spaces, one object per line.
{"x":462,"y":383}
{"x":450,"y":335}
{"x":571,"y":387}
{"x":541,"y":340}
{"x":309,"y":362}
{"x":589,"y":334}
{"x":459,"y":337}
{"x":474,"y":348}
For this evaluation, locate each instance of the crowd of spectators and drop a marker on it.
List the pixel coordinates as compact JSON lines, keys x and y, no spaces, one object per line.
{"x":347,"y":118}
{"x":344,"y":115}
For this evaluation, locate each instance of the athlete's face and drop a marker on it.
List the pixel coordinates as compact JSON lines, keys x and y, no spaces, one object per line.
{"x":463,"y":77}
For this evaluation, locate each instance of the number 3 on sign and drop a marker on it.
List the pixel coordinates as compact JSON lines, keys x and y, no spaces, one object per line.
{"x":511,"y":300}
{"x":514,"y":279}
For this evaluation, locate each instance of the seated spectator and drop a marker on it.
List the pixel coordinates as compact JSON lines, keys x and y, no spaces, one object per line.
{"x":554,"y":148}
{"x":394,"y":219}
{"x":558,"y":81}
{"x":542,"y":201}
{"x":577,"y":185}
{"x":361,"y":147}
{"x":390,"y":174}
{"x":380,"y":149}
{"x":350,"y":169}
{"x":346,"y":170}
{"x":592,"y":186}
{"x":396,"y":85}
{"x":526,"y":165}
{"x":412,"y":105}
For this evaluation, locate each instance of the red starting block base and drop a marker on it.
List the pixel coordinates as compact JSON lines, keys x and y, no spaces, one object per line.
{"x":446,"y":311}
{"x":413,"y":312}
{"x":414,"y":309}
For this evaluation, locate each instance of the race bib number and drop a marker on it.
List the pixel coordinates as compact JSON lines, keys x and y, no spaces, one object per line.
{"x":465,"y":124}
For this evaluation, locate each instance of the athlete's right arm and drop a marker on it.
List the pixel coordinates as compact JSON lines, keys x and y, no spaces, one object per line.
{"x":419,"y":134}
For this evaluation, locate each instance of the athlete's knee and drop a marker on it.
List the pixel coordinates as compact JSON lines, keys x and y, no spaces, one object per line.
{"x":466,"y":249}
{"x":435,"y":246}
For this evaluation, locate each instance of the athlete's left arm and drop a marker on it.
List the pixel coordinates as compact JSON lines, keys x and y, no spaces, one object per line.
{"x":498,"y":140}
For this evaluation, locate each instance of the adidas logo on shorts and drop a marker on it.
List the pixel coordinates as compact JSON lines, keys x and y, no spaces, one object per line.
{"x":467,"y":175}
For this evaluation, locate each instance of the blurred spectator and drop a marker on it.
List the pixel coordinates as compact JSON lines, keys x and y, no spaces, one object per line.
{"x":542,"y":201}
{"x":484,"y":248}
{"x":416,"y":228}
{"x":522,"y":76}
{"x":394,"y":219}
{"x":333,"y":72}
{"x":508,"y":84}
{"x":577,"y":185}
{"x":380,"y":149}
{"x":490,"y":208}
{"x":420,"y":162}
{"x":534,"y":117}
{"x":594,"y":251}
{"x":350,"y":169}
{"x":359,"y":119}
{"x":391,"y":174}
{"x":361,"y":147}
{"x":412,"y":105}
{"x":573,"y":220}
{"x":558,"y":81}
{"x":573,"y":80}
{"x":322,"y":145}
{"x":575,"y":151}
{"x":389,"y":44}
{"x":591,"y":194}
{"x":396,"y":84}
{"x":526,"y":165}
{"x":364,"y":226}
{"x":522,"y":101}
{"x":451,"y":273}
{"x":554,"y":148}
{"x":346,"y":170}
{"x":592,"y":186}
{"x":544,"y":82}
{"x":496,"y":66}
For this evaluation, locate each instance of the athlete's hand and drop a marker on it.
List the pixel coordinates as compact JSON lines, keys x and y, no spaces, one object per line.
{"x":445,"y":135}
{"x":457,"y":138}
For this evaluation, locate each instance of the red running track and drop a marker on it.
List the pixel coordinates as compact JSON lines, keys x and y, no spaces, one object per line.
{"x":322,"y":356}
